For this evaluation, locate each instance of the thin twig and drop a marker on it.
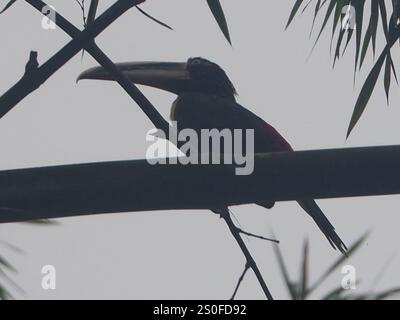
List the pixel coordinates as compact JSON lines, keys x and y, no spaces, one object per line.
{"x":246,"y":268}
{"x":147,"y":107}
{"x":154,"y":19}
{"x":82,"y":6}
{"x":256,"y":236}
{"x":250,"y":260}
{"x":249,"y":234}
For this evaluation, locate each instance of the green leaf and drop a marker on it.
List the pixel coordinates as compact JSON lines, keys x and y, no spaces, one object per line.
{"x":335,"y":294}
{"x":318,"y":7}
{"x":328,"y":14}
{"x":295,"y":9}
{"x":339,"y":43}
{"x":349,"y":37}
{"x":338,"y":12}
{"x":11,"y":246}
{"x":387,"y":294}
{"x":366,"y":92}
{"x":307,"y":5}
{"x":4,"y":294}
{"x":8,"y":5}
{"x":218,"y":12}
{"x":352,"y":249}
{"x":6,"y":264}
{"x":304,"y":273}
{"x":289,"y":284}
{"x":370,"y":35}
{"x":387,"y":77}
{"x":359,"y":7}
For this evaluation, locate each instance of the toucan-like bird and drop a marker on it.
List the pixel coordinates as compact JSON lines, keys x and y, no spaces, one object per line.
{"x":206,"y":100}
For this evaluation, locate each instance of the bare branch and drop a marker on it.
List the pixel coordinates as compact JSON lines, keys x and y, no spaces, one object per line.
{"x":257,"y":236}
{"x":154,"y":19}
{"x":246,"y":268}
{"x":151,"y":112}
{"x":249,"y":259}
{"x":34,"y":80}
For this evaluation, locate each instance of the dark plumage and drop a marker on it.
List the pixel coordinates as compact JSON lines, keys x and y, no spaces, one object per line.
{"x":206,"y":100}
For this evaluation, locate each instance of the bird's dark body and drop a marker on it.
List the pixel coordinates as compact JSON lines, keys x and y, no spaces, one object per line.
{"x":206,"y":100}
{"x":208,"y":111}
{"x":199,"y":111}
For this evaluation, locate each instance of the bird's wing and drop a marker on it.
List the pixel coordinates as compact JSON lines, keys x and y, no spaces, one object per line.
{"x":201,"y":111}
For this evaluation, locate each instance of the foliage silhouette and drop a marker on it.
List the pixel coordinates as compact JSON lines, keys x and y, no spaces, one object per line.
{"x":84,"y":40}
{"x":341,"y":13}
{"x":301,"y":289}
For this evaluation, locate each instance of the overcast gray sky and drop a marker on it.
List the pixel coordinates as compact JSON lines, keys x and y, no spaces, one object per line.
{"x":177,"y":255}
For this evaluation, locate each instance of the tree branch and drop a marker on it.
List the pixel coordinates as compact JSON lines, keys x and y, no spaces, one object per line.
{"x":246,"y":268}
{"x":249,"y":234}
{"x":33,"y":80}
{"x":150,"y":111}
{"x":251,"y":263}
{"x":126,"y":186}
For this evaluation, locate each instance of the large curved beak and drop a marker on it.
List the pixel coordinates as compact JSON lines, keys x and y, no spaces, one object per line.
{"x":169,"y":76}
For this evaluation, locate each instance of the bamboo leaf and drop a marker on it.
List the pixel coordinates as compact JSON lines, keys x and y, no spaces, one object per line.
{"x":290,"y":286}
{"x":329,"y":11}
{"x":349,"y":37}
{"x":6,"y":264}
{"x":304,"y":273}
{"x":366,"y":93}
{"x":370,"y":35}
{"x":387,"y":294}
{"x":295,"y":9}
{"x":318,"y":6}
{"x":385,"y":25}
{"x":338,"y":12}
{"x":359,"y":7}
{"x":218,"y":13}
{"x":387,"y":77}
{"x":307,"y":5}
{"x":334,"y":294}
{"x":390,"y":31}
{"x":352,"y":249}
{"x":338,"y":45}
{"x":8,"y":5}
{"x":4,"y":294}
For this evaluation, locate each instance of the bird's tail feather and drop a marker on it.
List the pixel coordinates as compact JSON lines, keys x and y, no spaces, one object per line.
{"x":311,"y":207}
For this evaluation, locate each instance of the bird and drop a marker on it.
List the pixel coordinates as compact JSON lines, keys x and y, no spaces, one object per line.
{"x":207,"y":100}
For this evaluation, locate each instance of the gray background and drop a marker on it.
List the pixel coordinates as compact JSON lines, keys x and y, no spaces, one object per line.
{"x":179,"y":255}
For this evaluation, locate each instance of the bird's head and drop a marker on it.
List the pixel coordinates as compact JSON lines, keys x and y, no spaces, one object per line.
{"x":196,"y":75}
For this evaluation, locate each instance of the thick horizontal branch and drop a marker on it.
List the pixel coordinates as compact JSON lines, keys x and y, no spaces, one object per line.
{"x":63,"y":191}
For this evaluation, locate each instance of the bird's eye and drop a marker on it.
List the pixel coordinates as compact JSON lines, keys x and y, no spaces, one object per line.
{"x":196,"y":61}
